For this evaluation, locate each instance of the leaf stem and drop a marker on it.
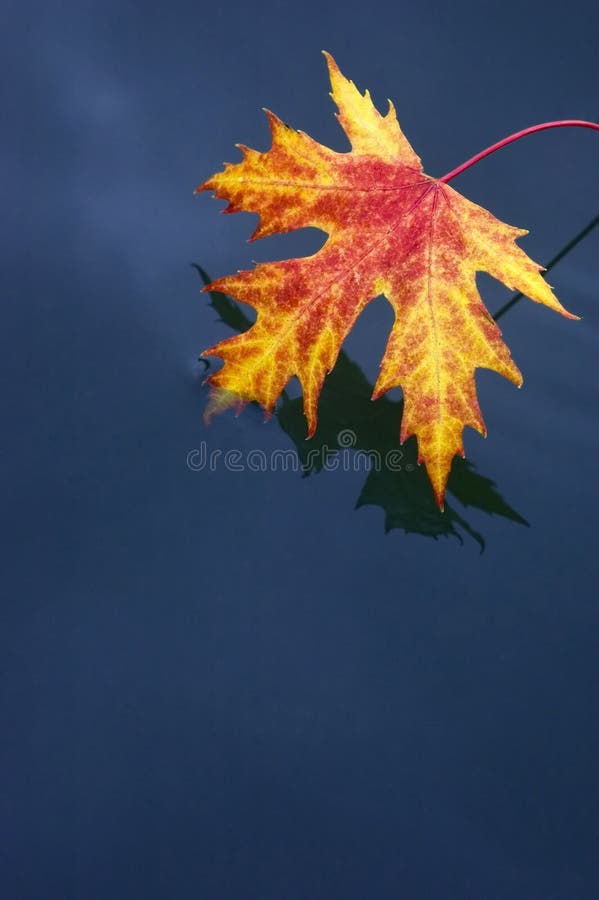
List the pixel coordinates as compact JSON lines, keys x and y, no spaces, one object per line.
{"x":564,"y":123}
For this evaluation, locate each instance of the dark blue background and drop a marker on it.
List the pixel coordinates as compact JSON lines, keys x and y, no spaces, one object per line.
{"x":233,"y":686}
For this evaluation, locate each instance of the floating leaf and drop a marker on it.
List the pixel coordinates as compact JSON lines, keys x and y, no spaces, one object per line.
{"x":392,"y":230}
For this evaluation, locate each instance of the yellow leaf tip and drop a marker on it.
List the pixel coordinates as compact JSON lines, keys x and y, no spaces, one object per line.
{"x":331,"y":65}
{"x":440,"y":500}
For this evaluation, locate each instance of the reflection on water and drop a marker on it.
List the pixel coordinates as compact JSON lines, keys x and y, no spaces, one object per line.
{"x":350,"y":422}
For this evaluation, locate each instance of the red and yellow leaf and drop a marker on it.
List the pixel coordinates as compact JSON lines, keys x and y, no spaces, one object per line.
{"x":392,"y":230}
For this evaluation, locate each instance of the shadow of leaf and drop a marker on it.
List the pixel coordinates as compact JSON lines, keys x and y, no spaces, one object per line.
{"x":349,"y":422}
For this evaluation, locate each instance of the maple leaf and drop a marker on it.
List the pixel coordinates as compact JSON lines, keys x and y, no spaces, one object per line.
{"x":392,"y":230}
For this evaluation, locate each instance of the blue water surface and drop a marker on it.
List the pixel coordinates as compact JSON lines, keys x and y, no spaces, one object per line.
{"x":236,"y":685}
